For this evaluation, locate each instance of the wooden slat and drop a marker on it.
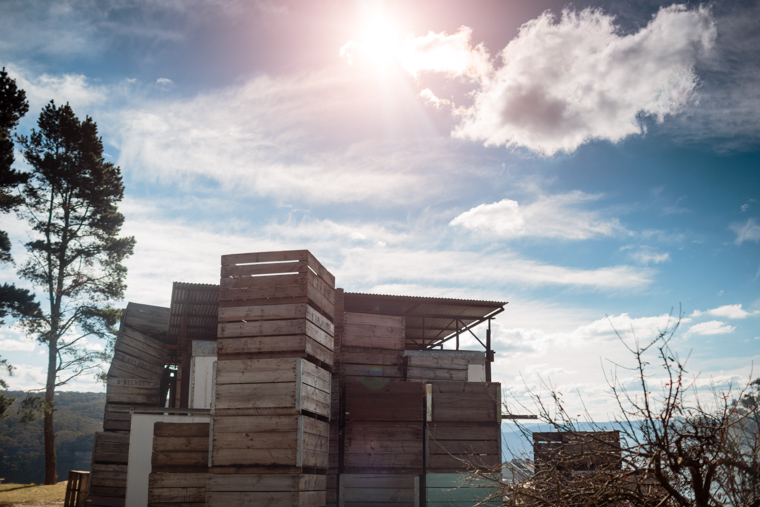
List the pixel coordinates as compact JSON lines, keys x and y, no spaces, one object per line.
{"x":166,"y":429}
{"x":270,"y":282}
{"x":275,"y":312}
{"x":266,"y":482}
{"x":414,"y":373}
{"x":466,"y":401}
{"x":153,"y":320}
{"x":372,"y":319}
{"x":275,"y":328}
{"x":378,"y":489}
{"x":270,"y":498}
{"x":287,"y":346}
{"x":394,"y":401}
{"x":320,"y":270}
{"x":255,"y":257}
{"x":437,"y":361}
{"x":263,"y":269}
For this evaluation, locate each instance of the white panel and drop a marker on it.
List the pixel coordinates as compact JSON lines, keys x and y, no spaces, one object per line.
{"x":202,"y":381}
{"x":140,"y":450}
{"x":476,"y":373}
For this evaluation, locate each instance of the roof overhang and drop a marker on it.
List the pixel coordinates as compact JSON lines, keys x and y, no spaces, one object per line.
{"x":430,"y":322}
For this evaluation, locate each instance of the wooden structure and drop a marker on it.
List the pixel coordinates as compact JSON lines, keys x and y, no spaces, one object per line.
{"x":320,"y":397}
{"x":577,"y":451}
{"x":76,"y":488}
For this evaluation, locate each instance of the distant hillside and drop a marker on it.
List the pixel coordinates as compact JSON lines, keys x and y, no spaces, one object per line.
{"x":22,"y":457}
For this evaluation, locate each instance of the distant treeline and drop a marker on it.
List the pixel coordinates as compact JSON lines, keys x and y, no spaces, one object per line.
{"x":22,"y":456}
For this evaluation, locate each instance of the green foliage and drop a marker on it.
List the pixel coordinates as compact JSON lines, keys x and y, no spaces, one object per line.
{"x":13,"y":105}
{"x":78,"y":417}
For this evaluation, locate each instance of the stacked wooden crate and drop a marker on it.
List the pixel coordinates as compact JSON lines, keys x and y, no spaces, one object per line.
{"x":272,"y":405}
{"x":371,"y":346}
{"x":179,"y":465}
{"x":134,"y":380}
{"x":463,"y":434}
{"x":383,"y":442}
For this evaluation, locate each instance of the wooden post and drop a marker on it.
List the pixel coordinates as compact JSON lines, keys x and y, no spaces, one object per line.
{"x":489,"y":354}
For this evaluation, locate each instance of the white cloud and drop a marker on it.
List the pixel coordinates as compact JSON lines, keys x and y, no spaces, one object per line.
{"x":164,"y":83}
{"x":565,"y":82}
{"x":76,"y":89}
{"x":17,"y":345}
{"x":648,"y":255}
{"x":13,"y":338}
{"x":363,"y":268}
{"x":712,"y":327}
{"x":449,"y":54}
{"x":727,"y":311}
{"x":556,"y":216}
{"x":312,"y":138}
{"x":749,"y":231}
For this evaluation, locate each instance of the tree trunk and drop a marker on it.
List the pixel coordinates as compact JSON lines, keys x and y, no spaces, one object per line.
{"x":50,"y":459}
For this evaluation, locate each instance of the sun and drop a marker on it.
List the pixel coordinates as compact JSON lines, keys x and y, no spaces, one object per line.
{"x":378,"y":43}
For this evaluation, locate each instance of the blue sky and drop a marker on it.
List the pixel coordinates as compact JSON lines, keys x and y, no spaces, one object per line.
{"x":593,"y":164}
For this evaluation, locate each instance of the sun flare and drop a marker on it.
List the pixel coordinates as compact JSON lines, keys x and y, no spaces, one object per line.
{"x":378,"y":43}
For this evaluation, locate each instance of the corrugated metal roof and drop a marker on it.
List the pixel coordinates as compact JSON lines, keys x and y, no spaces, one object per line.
{"x":194,"y":307}
{"x":430,"y":321}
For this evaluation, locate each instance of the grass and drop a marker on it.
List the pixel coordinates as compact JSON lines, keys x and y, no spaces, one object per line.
{"x":32,"y":495}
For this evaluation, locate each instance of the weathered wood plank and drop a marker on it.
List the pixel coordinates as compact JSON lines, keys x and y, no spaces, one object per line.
{"x":263,"y":269}
{"x":267,"y":345}
{"x":275,"y":328}
{"x":180,"y":443}
{"x":266,"y":482}
{"x":372,"y":319}
{"x":276,"y":312}
{"x":167,"y":429}
{"x":394,"y":401}
{"x":416,"y":373}
{"x":265,"y":281}
{"x":177,"y":480}
{"x":265,"y":499}
{"x":177,"y":495}
{"x":256,"y":257}
{"x":320,"y":270}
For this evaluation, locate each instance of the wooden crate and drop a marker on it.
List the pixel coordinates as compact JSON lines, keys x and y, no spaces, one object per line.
{"x":435,"y":367}
{"x":370,"y":331}
{"x":180,"y":447}
{"x":132,"y":391}
{"x":376,"y":400}
{"x":450,"y":490}
{"x":151,"y":320}
{"x":111,"y":448}
{"x":276,"y":312}
{"x":261,"y":328}
{"x":117,"y":418}
{"x":275,"y":346}
{"x":459,"y":447}
{"x":271,"y":386}
{"x":283,"y":440}
{"x":274,"y":278}
{"x":254,"y":490}
{"x":166,"y":489}
{"x":383,"y":446}
{"x":108,"y":480}
{"x":359,"y":363}
{"x":467,"y":402}
{"x":364,"y":490}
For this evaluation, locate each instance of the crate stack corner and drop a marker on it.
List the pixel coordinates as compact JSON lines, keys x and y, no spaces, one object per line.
{"x":270,"y":422}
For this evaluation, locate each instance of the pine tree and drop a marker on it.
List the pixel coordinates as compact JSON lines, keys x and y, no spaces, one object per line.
{"x":13,"y":300}
{"x":76,"y":259}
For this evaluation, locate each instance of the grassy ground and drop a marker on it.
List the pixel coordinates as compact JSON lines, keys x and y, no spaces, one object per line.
{"x":32,"y":495}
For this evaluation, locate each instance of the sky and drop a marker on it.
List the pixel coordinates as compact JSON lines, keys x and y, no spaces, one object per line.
{"x":596,"y":164}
